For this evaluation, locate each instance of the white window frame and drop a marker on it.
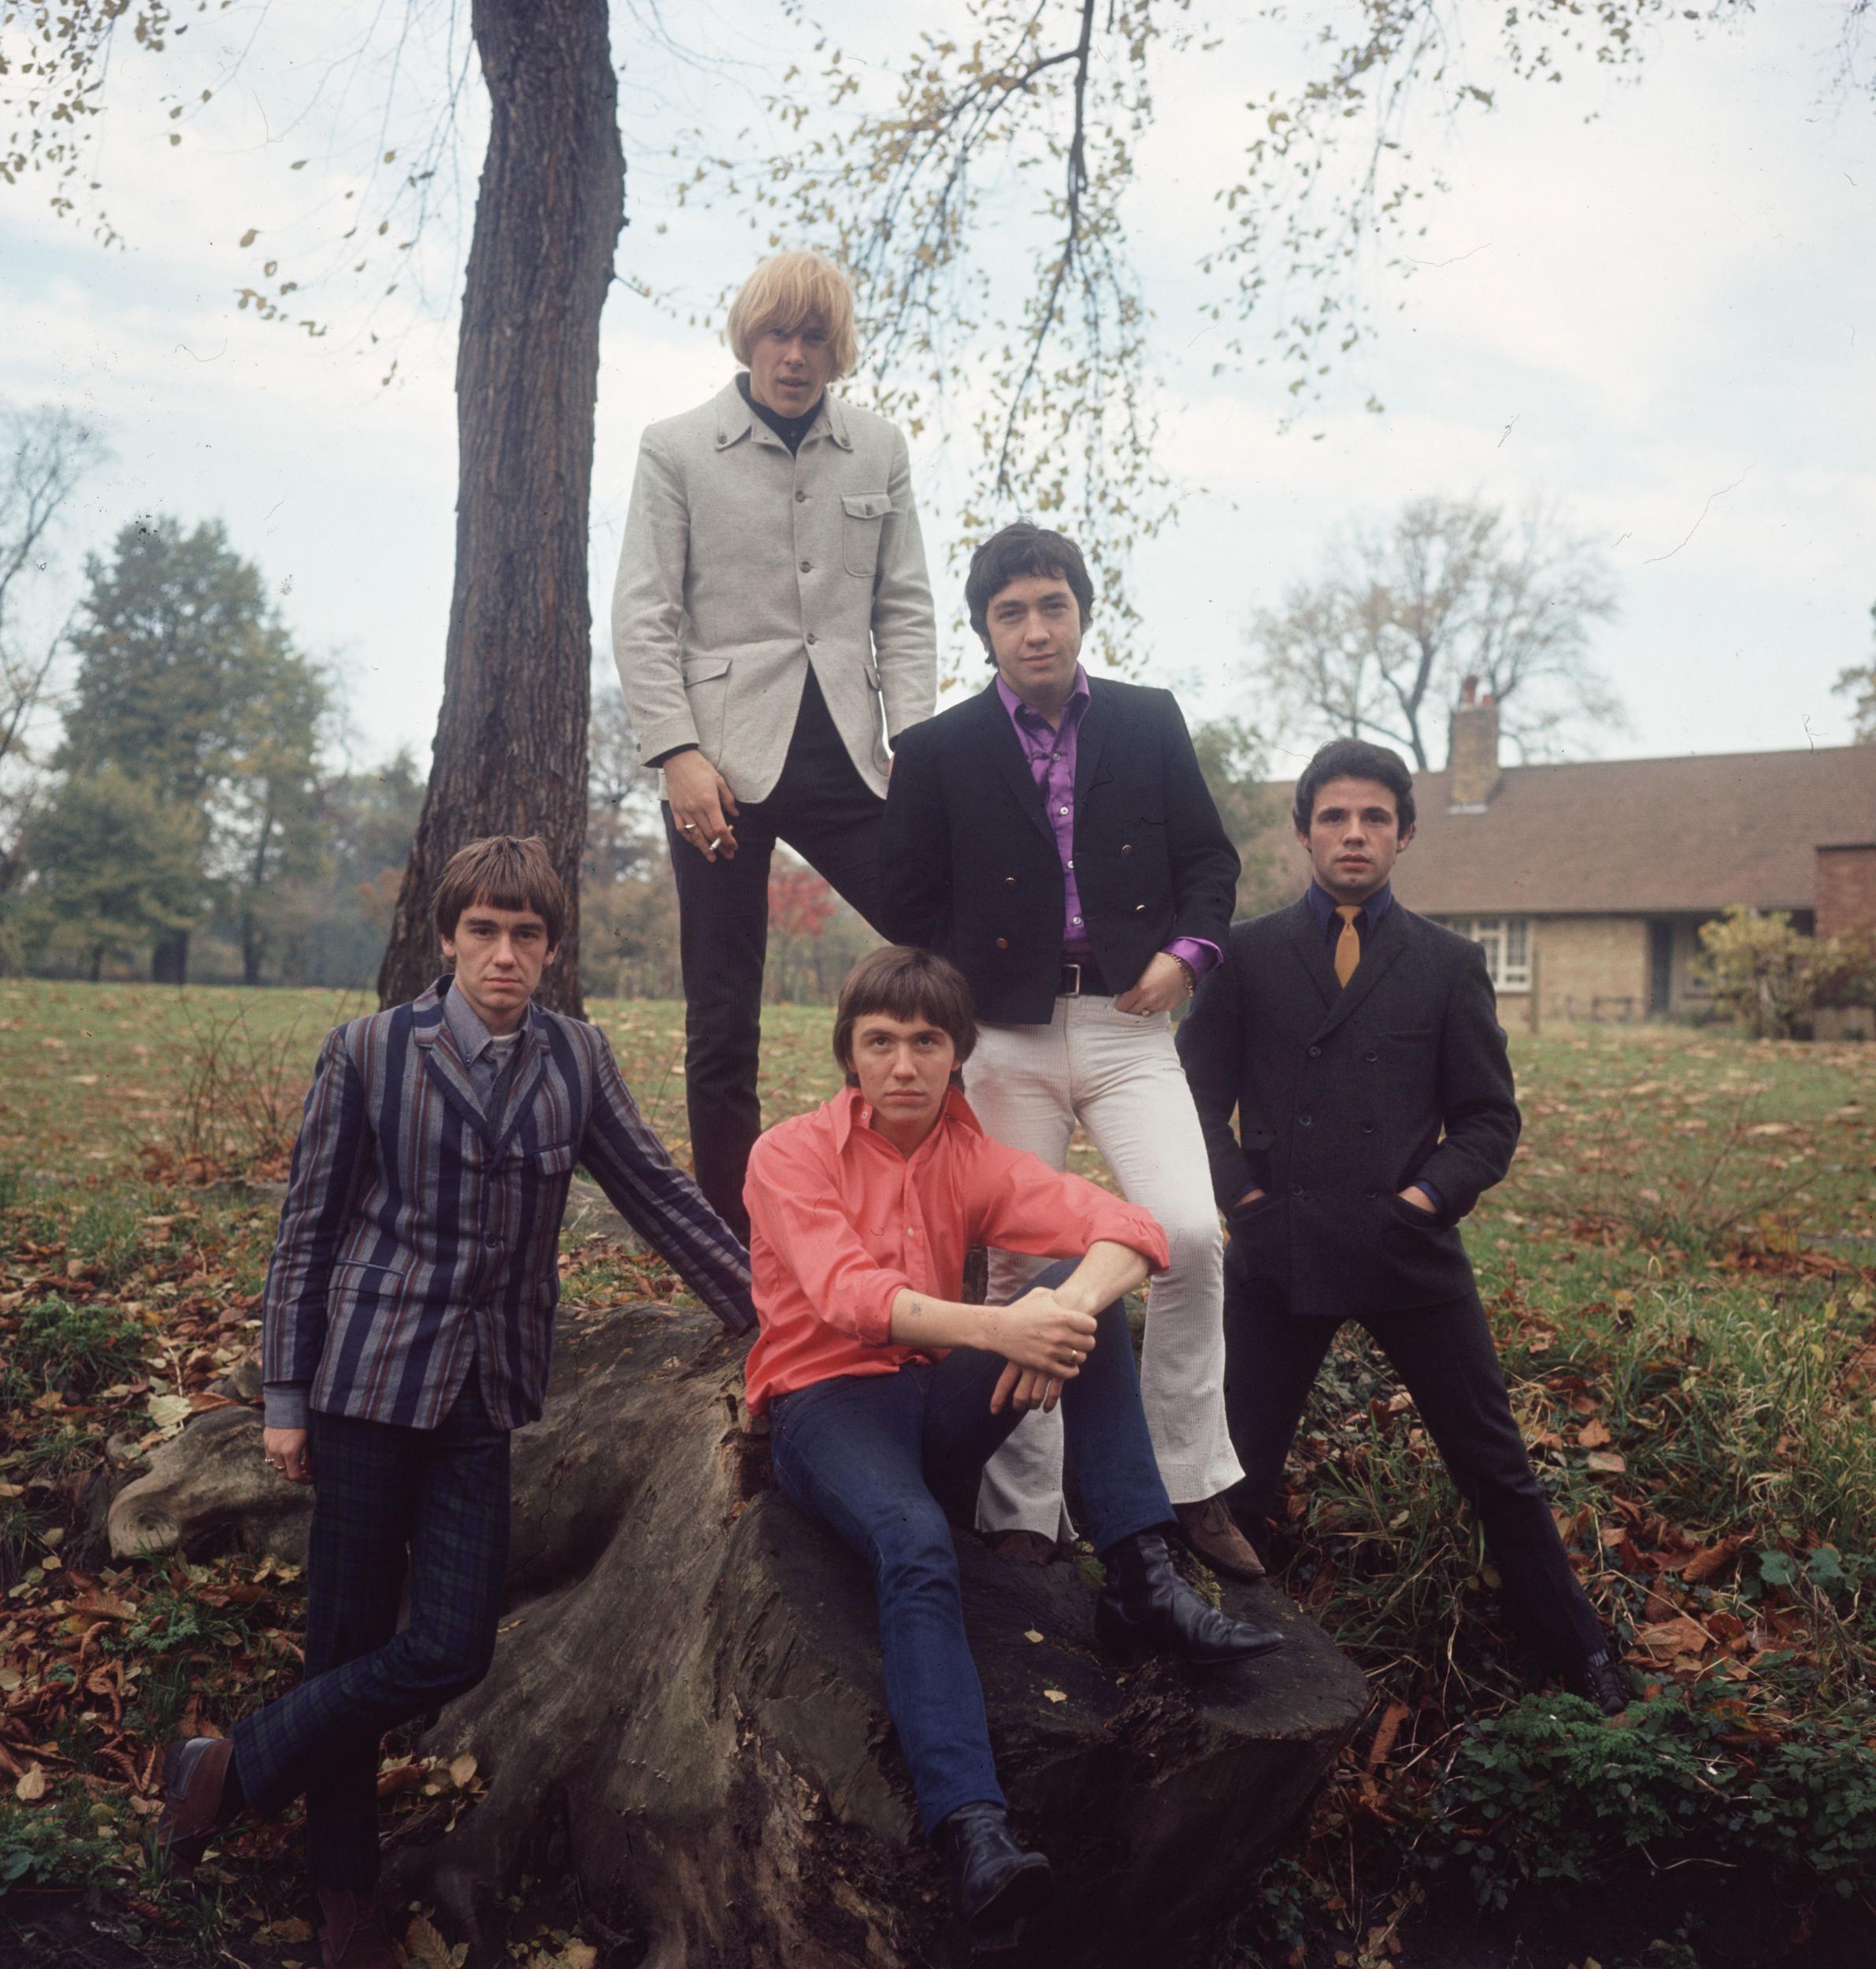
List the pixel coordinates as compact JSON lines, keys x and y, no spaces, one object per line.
{"x":1503,"y":939}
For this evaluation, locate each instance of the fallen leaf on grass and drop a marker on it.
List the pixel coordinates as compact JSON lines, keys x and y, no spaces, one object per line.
{"x":1671,"y":1638}
{"x":31,"y":1787}
{"x":1592,"y":1435}
{"x":462,"y":1769}
{"x":1030,"y":1633}
{"x":423,"y":1944}
{"x":1711,"y":1561}
{"x":1610,"y":1461}
{"x":1056,"y":1695}
{"x":169,"y":1412}
{"x":1386,"y":1732}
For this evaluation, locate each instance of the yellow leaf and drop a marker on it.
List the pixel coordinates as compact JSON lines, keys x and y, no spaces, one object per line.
{"x":1030,"y":1634}
{"x":462,"y":1769}
{"x":31,"y":1787}
{"x":422,"y":1944}
{"x":1056,"y":1695}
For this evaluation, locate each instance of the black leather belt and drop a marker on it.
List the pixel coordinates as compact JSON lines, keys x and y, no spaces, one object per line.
{"x":1082,"y":981}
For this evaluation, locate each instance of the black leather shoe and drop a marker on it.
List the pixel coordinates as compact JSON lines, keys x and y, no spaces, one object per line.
{"x":995,"y":1883}
{"x":1598,"y":1679}
{"x":1146,"y":1608}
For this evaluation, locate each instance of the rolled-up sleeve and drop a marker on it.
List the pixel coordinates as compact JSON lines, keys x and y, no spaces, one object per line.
{"x":795,"y":1207}
{"x":1018,"y":1203}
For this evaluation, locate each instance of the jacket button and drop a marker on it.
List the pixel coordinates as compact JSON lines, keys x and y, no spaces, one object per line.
{"x":1140,"y":909}
{"x":1371,"y":1194}
{"x":1315,"y":1052}
{"x":1126,"y":847}
{"x":1303,"y":1121}
{"x":811,"y":638}
{"x":807,"y":567}
{"x":800,"y":497}
{"x":1003,"y":943}
{"x":1367,"y":1128}
{"x":1369,"y":1057}
{"x":1296,"y":1189}
{"x":1009,"y":882}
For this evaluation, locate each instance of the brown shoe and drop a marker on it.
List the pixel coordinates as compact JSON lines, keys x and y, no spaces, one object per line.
{"x":1031,"y":1547}
{"x":353,"y":1934}
{"x":1208,"y":1529}
{"x":194,"y":1776}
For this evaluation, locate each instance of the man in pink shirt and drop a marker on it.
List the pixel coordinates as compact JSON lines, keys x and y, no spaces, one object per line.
{"x":886,"y":1395}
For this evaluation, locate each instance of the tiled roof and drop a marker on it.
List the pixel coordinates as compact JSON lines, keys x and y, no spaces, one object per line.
{"x":1632,"y":836}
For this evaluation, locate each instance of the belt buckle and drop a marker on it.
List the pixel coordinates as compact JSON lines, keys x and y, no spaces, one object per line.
{"x":1073,"y":990}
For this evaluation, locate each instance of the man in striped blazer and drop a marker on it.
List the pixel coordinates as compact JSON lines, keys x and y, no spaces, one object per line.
{"x":407,"y":1323}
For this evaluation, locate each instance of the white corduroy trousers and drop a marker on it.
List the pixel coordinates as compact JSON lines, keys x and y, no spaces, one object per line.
{"x":1118,"y":1075}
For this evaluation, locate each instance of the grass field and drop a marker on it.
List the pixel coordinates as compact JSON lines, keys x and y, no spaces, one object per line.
{"x":1680,"y":1272}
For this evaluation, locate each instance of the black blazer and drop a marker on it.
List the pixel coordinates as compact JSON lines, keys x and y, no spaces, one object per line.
{"x":1345,"y":1097}
{"x":969,"y":867}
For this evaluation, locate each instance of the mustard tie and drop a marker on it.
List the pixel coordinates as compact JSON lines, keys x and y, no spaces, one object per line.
{"x":1348,"y":945}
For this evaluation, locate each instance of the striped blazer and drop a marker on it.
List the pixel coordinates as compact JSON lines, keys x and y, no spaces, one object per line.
{"x":416,"y":1239}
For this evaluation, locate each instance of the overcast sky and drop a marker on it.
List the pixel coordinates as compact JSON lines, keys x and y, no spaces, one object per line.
{"x":1661,"y":322}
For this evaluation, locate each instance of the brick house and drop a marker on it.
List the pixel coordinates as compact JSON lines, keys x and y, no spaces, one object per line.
{"x":1587,"y":884}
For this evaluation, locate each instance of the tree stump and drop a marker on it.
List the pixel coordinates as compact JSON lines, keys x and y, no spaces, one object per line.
{"x":686,"y":1709}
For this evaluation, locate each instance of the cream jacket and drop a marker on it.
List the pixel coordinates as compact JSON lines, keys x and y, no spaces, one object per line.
{"x":742,"y":566}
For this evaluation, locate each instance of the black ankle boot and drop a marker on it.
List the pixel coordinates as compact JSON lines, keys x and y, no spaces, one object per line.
{"x":1146,"y":1608}
{"x":994,"y":1882}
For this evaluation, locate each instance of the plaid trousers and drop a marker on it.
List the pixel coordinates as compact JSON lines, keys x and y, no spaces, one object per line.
{"x":387,"y":1498}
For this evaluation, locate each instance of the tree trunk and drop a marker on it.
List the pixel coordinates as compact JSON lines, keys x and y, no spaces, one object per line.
{"x":169,"y":960}
{"x":510,"y":750}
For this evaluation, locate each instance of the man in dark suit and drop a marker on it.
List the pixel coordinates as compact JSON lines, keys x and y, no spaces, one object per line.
{"x":1053,"y":837}
{"x":1359,"y":1046}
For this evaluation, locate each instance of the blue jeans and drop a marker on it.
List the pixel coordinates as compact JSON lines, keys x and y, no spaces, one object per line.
{"x":879,"y":1457}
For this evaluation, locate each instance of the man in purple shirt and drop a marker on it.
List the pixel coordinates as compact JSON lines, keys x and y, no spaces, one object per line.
{"x":1055,"y":838}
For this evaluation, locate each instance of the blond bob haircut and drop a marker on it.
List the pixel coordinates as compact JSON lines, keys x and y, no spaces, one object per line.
{"x":793,"y":290}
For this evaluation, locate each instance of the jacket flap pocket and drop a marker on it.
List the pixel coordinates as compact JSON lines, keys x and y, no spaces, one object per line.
{"x":557,"y":1160}
{"x":700,"y":669}
{"x":363,"y":1274}
{"x":866,"y":506}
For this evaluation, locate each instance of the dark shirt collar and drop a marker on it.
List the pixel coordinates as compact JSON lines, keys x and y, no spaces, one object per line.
{"x":1322,"y":907}
{"x":789,"y":430}
{"x":1071,"y":711}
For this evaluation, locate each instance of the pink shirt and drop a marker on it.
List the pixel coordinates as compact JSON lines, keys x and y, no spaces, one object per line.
{"x":840,"y":1223}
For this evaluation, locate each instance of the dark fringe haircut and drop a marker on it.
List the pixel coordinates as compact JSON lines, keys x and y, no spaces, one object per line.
{"x":904,"y":982}
{"x":1354,"y":759}
{"x":1018,"y":550}
{"x":502,"y":872}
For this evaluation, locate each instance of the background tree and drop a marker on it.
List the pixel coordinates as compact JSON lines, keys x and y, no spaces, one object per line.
{"x":1234,"y":759}
{"x":188,"y":682}
{"x":1858,"y":683}
{"x":115,"y":867}
{"x":45,"y":455}
{"x":1375,"y":646}
{"x":982,"y":199}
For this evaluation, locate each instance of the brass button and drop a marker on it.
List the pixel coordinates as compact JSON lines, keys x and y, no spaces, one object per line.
{"x":1009,"y":882}
{"x":1126,"y":847}
{"x":1003,"y":943}
{"x":1140,"y":909}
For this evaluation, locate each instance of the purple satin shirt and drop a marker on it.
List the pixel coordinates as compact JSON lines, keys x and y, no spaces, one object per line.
{"x":1051,"y":757}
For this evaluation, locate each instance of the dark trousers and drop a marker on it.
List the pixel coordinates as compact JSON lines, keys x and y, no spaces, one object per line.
{"x":881,"y":1457}
{"x":824,"y":810}
{"x":386,"y":1498}
{"x":1445,"y":1358}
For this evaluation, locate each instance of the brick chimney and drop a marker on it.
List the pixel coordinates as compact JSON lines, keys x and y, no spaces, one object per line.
{"x":1846,"y":887}
{"x":1472,"y":751}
